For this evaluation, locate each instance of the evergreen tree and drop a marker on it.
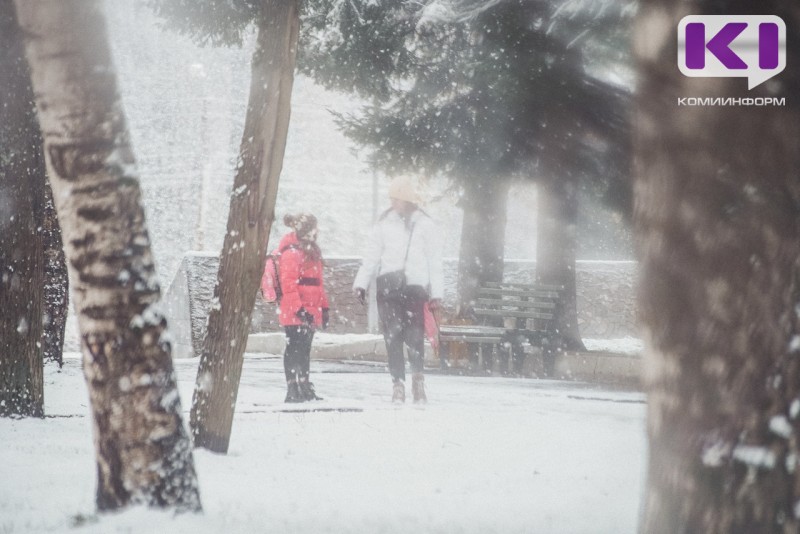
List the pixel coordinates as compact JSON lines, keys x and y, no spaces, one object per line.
{"x":56,"y":279}
{"x":34,"y":285}
{"x":483,"y":92}
{"x":21,"y":256}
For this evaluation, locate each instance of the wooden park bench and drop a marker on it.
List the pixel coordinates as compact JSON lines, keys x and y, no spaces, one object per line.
{"x":505,"y":316}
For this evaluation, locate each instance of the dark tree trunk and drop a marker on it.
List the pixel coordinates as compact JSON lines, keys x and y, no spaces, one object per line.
{"x":556,"y":242}
{"x":21,"y":261}
{"x":483,"y":233}
{"x":56,"y":280}
{"x":717,"y":217}
{"x":252,"y":211}
{"x":143,"y":451}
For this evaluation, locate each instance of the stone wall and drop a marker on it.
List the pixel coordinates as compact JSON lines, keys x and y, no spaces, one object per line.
{"x":606,"y":295}
{"x":605,"y":298}
{"x":189,"y":298}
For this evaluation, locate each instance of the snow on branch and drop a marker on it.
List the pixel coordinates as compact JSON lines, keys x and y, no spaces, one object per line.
{"x":458,"y":11}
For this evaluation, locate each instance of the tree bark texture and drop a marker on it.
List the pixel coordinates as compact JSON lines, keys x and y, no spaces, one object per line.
{"x":252,"y":211}
{"x":483,"y":241}
{"x":56,"y":279}
{"x":143,"y":451}
{"x":556,"y":243}
{"x":21,"y":261}
{"x":717,"y":220}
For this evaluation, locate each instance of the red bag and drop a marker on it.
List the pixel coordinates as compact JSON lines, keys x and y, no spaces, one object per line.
{"x":271,"y":279}
{"x":270,"y":282}
{"x":431,"y":327}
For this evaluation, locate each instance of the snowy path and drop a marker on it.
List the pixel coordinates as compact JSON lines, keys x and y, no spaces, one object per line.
{"x":485,"y":455}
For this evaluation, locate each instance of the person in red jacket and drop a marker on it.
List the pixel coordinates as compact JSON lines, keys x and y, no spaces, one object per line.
{"x":304,"y":304}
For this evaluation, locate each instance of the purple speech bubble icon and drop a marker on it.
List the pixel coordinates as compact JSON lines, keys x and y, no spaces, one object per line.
{"x":746,"y":46}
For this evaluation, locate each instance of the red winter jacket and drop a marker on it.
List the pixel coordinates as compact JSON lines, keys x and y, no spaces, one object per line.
{"x":301,"y":284}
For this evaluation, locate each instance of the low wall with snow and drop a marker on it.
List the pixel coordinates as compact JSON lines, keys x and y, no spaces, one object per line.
{"x":188,"y":300}
{"x":606,"y":305}
{"x":605,"y":298}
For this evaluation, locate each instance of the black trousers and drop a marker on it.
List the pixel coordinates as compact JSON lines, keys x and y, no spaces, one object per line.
{"x":297,"y":356}
{"x":403,"y":322}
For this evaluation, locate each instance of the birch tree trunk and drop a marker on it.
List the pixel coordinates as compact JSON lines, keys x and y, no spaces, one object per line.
{"x":717,"y":217}
{"x":556,"y":243}
{"x":143,"y":451}
{"x":21,"y":261}
{"x":252,"y":211}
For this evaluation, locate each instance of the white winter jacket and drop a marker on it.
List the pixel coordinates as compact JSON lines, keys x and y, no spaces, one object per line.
{"x":387,"y":249}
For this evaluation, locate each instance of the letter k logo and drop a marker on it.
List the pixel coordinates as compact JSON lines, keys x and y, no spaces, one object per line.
{"x":719,"y":45}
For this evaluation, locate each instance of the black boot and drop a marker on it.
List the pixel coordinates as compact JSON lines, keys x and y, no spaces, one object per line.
{"x":307,"y":391}
{"x":293,"y":393}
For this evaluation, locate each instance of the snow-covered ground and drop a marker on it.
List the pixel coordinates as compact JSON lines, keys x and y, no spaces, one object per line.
{"x":485,"y":455}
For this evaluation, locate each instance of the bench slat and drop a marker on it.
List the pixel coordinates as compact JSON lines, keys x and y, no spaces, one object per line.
{"x":517,"y":293}
{"x":471,"y":339}
{"x":476,"y":329}
{"x":535,"y":287}
{"x":509,"y":301}
{"x":508,"y":313}
{"x":519,"y":303}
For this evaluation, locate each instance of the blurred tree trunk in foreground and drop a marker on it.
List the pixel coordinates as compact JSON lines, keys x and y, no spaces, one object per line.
{"x":252,"y":211}
{"x":717,"y":215}
{"x":21,"y":260}
{"x":143,"y":451}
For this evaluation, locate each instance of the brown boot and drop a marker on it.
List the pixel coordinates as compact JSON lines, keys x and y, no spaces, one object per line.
{"x":399,"y":391}
{"x":418,"y":387}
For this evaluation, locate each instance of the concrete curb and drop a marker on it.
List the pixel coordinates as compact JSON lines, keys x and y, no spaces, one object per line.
{"x":600,"y":367}
{"x":596,"y":366}
{"x":362,"y":349}
{"x":373,"y":350}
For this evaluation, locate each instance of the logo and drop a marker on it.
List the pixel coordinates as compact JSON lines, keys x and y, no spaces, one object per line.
{"x":735,"y":46}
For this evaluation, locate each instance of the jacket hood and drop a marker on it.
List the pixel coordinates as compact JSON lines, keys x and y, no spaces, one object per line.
{"x":287,"y":240}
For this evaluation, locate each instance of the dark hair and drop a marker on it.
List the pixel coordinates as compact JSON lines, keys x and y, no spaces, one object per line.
{"x":303,"y":225}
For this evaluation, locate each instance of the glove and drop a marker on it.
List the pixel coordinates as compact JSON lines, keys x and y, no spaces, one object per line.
{"x":305,"y":316}
{"x":361,"y":295}
{"x":326,"y":317}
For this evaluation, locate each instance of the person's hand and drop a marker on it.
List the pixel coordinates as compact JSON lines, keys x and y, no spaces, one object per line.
{"x":361,"y":295}
{"x":326,"y":317}
{"x":305,"y":316}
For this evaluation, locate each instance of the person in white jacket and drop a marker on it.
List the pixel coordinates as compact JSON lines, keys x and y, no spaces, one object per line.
{"x":405,"y":253}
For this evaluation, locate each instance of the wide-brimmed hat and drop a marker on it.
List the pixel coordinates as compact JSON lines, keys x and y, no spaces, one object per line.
{"x":404,"y":188}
